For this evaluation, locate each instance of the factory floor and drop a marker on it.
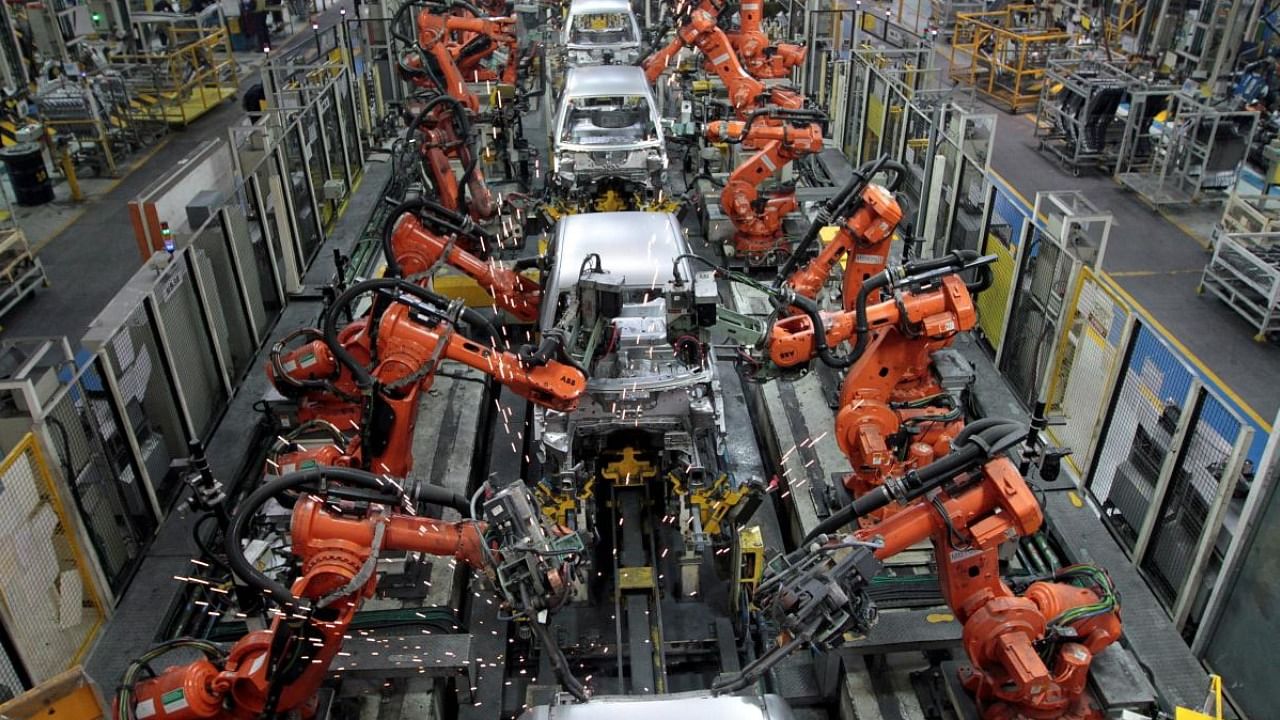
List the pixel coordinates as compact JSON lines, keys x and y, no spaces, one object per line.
{"x":1152,"y":258}
{"x":1157,"y":258}
{"x":88,"y":248}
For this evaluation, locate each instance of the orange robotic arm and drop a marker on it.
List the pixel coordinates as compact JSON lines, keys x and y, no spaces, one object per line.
{"x":1002,"y":630}
{"x":382,"y":401}
{"x":938,"y":313}
{"x":893,"y":415}
{"x":760,"y":58}
{"x":864,"y":239}
{"x":745,"y":92}
{"x":417,"y":250}
{"x":758,"y":230}
{"x":442,"y":129}
{"x":279,"y":670}
{"x":967,"y":504}
{"x":433,"y":37}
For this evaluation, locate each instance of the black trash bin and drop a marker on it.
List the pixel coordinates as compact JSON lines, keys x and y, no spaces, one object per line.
{"x":28,"y":174}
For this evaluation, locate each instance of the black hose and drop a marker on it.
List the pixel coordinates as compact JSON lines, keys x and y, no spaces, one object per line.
{"x":559,"y":663}
{"x":197,"y":535}
{"x":363,"y":377}
{"x":838,"y":205}
{"x":463,"y":123}
{"x":248,"y":573}
{"x":975,"y":445}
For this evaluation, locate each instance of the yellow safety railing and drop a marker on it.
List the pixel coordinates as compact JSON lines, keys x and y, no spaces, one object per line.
{"x":48,"y":595}
{"x":187,"y":81}
{"x":1002,"y":58}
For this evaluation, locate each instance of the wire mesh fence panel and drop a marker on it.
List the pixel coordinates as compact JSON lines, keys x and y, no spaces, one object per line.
{"x":851,"y":134}
{"x":915,"y":157}
{"x":1087,"y":357}
{"x":1002,"y":241}
{"x":971,"y":200}
{"x":133,"y":358}
{"x":51,"y":607}
{"x":213,"y":262}
{"x":90,"y":448}
{"x":267,"y":232}
{"x":1185,"y":510}
{"x":329,"y":109}
{"x":1242,"y":645}
{"x":347,"y":130}
{"x":1138,"y":434}
{"x":1033,"y":322}
{"x":191,"y":347}
{"x":298,"y":180}
{"x":875,"y":113}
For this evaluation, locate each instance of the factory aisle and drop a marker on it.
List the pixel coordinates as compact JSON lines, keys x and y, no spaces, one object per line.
{"x":90,"y":259}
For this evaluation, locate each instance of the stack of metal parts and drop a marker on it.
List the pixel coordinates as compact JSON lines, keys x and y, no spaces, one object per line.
{"x":1245,"y":273}
{"x":1077,"y":117}
{"x":92,"y":115}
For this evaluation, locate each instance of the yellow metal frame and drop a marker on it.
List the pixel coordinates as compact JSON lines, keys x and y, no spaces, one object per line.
{"x":182,"y":99}
{"x":1008,"y":72}
{"x":751,"y":556}
{"x":70,"y":695}
{"x":30,"y":448}
{"x":1122,"y":21}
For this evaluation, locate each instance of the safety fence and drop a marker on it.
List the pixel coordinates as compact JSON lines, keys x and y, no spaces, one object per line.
{"x":49,"y":607}
{"x":883,"y":97}
{"x":1237,"y":638}
{"x":1160,"y":446}
{"x":228,"y":240}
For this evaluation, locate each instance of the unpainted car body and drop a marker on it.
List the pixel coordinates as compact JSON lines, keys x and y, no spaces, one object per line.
{"x":608,"y":134}
{"x":598,"y":32}
{"x":631,"y":308}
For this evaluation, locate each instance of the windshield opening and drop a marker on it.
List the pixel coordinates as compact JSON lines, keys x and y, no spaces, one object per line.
{"x":602,"y":29}
{"x":608,"y":120}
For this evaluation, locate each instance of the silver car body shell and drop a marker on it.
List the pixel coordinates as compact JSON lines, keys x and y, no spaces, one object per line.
{"x":640,"y":385}
{"x":579,"y":54}
{"x":591,"y":162}
{"x":697,"y":705}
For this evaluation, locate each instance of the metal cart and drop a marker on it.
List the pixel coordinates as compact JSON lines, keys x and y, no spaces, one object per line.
{"x":1245,"y":273}
{"x":20,"y":270}
{"x":1076,"y":117}
{"x":1178,"y":149}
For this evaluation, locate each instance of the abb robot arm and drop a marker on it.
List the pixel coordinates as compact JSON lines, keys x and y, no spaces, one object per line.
{"x":940,"y":311}
{"x":385,"y":361}
{"x":279,"y":670}
{"x":865,"y":216}
{"x":434,"y":34}
{"x":442,"y":130}
{"x":778,"y":137}
{"x":893,"y":414}
{"x":1029,"y":652}
{"x":413,"y":250}
{"x":699,"y":30}
{"x":759,"y":57}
